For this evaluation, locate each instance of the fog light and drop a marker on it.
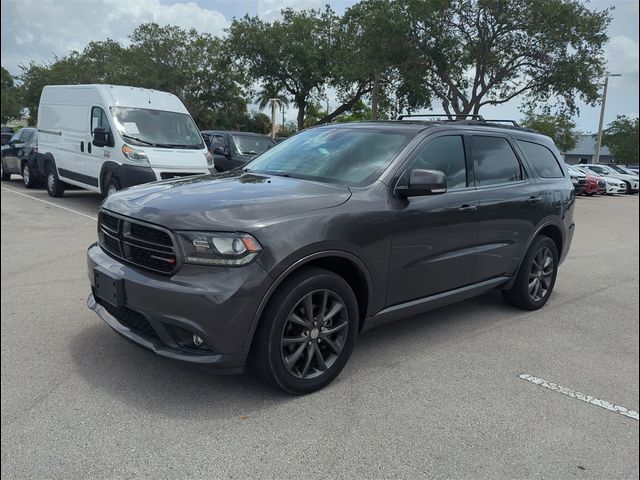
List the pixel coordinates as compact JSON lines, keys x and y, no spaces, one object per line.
{"x":197,"y":341}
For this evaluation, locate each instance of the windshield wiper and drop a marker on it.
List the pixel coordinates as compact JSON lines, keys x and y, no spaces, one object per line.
{"x":124,"y":135}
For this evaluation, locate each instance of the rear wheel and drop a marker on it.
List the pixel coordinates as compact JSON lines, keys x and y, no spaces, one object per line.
{"x":28,"y":178}
{"x":55,"y":186}
{"x":536,"y":277}
{"x":307,"y":331}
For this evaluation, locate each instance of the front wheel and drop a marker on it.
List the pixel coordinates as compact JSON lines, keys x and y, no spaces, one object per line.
{"x":537,"y":276}
{"x":307,"y":331}
{"x":55,"y":186}
{"x":4,"y":174}
{"x":111,"y":186}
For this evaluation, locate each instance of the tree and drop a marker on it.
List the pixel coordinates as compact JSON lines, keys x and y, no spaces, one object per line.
{"x":10,"y":102}
{"x":561,"y":128}
{"x":473,"y":53}
{"x":621,"y":137}
{"x":268,"y":92}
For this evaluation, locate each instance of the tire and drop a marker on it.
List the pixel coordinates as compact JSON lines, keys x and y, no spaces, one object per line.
{"x":534,"y":285}
{"x":111,"y":186}
{"x":55,"y":186}
{"x":28,"y":177}
{"x":317,"y":355}
{"x":629,"y":191}
{"x":4,"y":175}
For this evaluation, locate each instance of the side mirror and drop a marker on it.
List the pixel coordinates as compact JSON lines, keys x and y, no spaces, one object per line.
{"x":102,"y":138}
{"x":220,"y":150}
{"x":418,"y":183}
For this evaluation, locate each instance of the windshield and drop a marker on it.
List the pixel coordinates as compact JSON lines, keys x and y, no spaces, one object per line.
{"x":252,"y":144}
{"x":575,"y":171}
{"x":157,"y":128}
{"x":350,"y":156}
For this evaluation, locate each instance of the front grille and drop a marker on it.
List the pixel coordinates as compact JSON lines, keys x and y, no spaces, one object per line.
{"x":169,"y":175}
{"x":582,"y":182}
{"x":142,"y":245}
{"x":130,"y":319}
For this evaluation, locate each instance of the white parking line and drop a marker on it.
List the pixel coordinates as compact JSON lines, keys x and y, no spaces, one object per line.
{"x":49,"y":203}
{"x":580,"y":396}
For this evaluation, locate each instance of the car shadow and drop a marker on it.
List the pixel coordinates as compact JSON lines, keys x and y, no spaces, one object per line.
{"x":127,"y":373}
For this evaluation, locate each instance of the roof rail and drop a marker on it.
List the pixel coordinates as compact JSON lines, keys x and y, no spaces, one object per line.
{"x":448,"y":117}
{"x":512,"y":122}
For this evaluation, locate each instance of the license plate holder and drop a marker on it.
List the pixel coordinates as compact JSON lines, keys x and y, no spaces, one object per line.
{"x":109,"y":287}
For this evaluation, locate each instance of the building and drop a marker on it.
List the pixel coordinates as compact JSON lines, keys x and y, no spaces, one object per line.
{"x":585,"y":150}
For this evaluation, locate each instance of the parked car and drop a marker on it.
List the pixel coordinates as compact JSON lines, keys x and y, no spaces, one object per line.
{"x":623,"y":170}
{"x":340,"y":228}
{"x":612,"y":185}
{"x":633,"y":170}
{"x":235,"y":149}
{"x":7,"y":133}
{"x":20,"y":156}
{"x":106,"y":137}
{"x":578,"y":179}
{"x":630,"y":181}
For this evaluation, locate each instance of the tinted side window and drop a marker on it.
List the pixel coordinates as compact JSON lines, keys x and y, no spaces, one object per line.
{"x":494,"y":161}
{"x":99,"y":120}
{"x":542,"y":160}
{"x":447,"y":155}
{"x":26,"y":136}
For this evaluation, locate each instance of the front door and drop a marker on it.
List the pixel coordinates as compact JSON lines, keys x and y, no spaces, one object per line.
{"x":96,"y":156}
{"x":434,"y":237}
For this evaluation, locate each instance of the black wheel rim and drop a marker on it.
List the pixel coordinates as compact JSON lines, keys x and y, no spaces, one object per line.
{"x":541,"y":274}
{"x":314,"y":334}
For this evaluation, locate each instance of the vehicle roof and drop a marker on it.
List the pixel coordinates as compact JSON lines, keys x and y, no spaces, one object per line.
{"x":114,"y":95}
{"x":234,"y":132}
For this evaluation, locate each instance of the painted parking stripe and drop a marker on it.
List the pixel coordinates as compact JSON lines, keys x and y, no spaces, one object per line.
{"x":49,"y":203}
{"x":580,"y":396}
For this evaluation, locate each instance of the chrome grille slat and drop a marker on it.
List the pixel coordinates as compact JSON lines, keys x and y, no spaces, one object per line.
{"x":139,"y":244}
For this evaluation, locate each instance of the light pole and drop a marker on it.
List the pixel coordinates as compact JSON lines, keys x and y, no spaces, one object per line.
{"x":596,"y":157}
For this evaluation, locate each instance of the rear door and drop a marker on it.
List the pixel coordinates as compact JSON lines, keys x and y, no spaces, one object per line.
{"x":510,"y":202}
{"x":434,"y":237}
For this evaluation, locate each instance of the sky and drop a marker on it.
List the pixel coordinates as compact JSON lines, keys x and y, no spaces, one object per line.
{"x":41,"y":30}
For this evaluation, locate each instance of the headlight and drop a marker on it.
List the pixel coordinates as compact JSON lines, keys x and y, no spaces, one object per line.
{"x":134,"y":155}
{"x":574,"y":179}
{"x":209,"y":158}
{"x":218,"y":248}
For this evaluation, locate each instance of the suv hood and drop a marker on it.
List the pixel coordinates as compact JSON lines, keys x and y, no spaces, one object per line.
{"x":228,"y":201}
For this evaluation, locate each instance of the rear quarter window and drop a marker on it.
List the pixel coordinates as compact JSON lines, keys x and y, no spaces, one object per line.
{"x":542,"y":160}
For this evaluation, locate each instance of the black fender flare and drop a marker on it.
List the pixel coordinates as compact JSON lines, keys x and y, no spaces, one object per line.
{"x":110,"y":167}
{"x":299,"y":264}
{"x":541,"y":226}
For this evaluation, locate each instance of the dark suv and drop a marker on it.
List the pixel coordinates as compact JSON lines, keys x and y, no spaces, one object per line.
{"x":337,"y":230}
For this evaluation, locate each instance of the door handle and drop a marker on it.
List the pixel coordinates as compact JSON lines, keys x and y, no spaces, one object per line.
{"x":534,"y":200}
{"x":82,"y":146}
{"x":464,"y":209}
{"x":89,"y":147}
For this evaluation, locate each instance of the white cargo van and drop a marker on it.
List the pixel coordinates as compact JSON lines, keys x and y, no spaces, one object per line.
{"x":107,"y":137}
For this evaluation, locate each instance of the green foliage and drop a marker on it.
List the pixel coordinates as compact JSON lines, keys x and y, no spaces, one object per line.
{"x":561,"y":128}
{"x":621,"y":137}
{"x":472,"y":53}
{"x":193,"y":66}
{"x":10,"y":104}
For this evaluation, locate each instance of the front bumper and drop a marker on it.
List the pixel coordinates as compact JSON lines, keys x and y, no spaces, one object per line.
{"x":161,"y":313}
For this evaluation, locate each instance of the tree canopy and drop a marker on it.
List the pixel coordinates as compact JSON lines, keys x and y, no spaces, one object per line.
{"x":621,"y":137}
{"x":10,"y":103}
{"x":395,"y":57}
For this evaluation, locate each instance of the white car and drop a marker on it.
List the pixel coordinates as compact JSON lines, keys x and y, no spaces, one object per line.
{"x":614,"y":185}
{"x":603,"y":170}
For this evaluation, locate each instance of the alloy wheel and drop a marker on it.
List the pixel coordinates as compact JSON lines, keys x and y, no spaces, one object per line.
{"x":541,"y":274}
{"x":26,"y":174}
{"x":314,"y":334}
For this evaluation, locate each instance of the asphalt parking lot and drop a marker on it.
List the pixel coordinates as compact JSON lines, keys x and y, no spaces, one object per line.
{"x":435,"y":396}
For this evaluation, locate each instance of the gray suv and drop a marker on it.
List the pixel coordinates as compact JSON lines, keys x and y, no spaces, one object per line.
{"x":336,"y":230}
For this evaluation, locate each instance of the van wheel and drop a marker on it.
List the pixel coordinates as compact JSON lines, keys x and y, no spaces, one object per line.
{"x":28,"y":178}
{"x":307,"y":332}
{"x":112,"y":185}
{"x":536,"y":277}
{"x":55,"y":186}
{"x":3,"y":174}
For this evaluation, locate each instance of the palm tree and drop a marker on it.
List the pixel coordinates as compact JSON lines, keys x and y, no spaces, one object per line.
{"x":271,"y":95}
